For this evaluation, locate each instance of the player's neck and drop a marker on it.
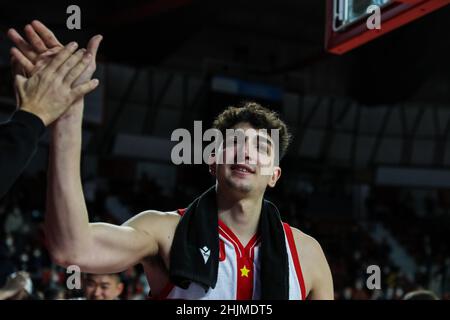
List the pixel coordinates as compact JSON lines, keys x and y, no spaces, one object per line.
{"x":240,"y":215}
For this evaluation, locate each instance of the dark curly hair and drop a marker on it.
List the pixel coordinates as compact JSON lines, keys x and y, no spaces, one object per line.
{"x":259,"y":117}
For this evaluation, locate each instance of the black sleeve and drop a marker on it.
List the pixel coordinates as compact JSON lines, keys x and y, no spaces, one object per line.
{"x":18,"y":143}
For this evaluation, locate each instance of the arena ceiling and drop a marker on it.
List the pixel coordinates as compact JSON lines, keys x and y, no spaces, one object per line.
{"x":275,"y":41}
{"x":387,"y":102}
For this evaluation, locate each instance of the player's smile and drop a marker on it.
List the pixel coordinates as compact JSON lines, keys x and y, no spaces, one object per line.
{"x":242,"y":170}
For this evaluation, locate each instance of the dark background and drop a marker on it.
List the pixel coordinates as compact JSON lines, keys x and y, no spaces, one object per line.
{"x":385,"y":104}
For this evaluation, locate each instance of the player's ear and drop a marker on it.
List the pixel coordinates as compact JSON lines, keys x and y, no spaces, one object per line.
{"x":212,"y":163}
{"x":276,"y":174}
{"x":120,"y":287}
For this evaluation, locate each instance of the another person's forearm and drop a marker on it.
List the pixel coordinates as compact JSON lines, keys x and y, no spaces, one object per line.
{"x":18,"y":142}
{"x":66,"y":223}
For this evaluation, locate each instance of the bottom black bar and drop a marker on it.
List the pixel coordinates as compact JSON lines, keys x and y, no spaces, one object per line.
{"x":163,"y":310}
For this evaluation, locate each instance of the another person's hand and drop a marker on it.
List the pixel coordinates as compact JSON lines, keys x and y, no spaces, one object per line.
{"x":42,"y":45}
{"x":52,"y":88}
{"x":27,"y":53}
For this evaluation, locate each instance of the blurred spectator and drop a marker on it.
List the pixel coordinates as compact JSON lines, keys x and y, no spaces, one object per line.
{"x":420,"y":295}
{"x":18,"y":287}
{"x":14,"y":221}
{"x":102,"y":286}
{"x":348,"y":246}
{"x":55,"y":293}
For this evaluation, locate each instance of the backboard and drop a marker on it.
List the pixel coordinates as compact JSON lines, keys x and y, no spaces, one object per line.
{"x":346,"y":20}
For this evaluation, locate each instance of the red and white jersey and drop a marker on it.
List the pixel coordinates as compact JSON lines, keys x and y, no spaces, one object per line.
{"x":239,"y":269}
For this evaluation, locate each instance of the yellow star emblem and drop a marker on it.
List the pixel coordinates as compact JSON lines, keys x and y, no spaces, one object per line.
{"x":244,"y":272}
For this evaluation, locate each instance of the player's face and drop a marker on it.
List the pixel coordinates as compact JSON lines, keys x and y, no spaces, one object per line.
{"x":102,"y":287}
{"x":255,"y":170}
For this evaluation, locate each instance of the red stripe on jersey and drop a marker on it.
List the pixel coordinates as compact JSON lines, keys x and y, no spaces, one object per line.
{"x":244,"y":263}
{"x":222,"y":255}
{"x":242,"y":287}
{"x":294,"y":254}
{"x":245,"y":273}
{"x":233,"y":238}
{"x":235,"y":244}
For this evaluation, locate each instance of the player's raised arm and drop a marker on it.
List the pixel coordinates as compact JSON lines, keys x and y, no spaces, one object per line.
{"x":71,"y":239}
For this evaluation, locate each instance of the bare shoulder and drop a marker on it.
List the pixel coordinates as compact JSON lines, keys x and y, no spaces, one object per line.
{"x":154,"y":215}
{"x":315,"y":266}
{"x":309,"y":246}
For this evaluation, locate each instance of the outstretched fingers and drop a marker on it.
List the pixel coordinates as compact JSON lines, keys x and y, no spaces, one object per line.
{"x":83,"y":89}
{"x":35,"y":40}
{"x":78,"y":69}
{"x":93,"y":45}
{"x":61,"y":57}
{"x":47,"y":36}
{"x":70,"y":63}
{"x":22,"y":44}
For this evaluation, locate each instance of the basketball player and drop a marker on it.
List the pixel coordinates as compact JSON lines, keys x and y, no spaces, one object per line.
{"x":147,"y":237}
